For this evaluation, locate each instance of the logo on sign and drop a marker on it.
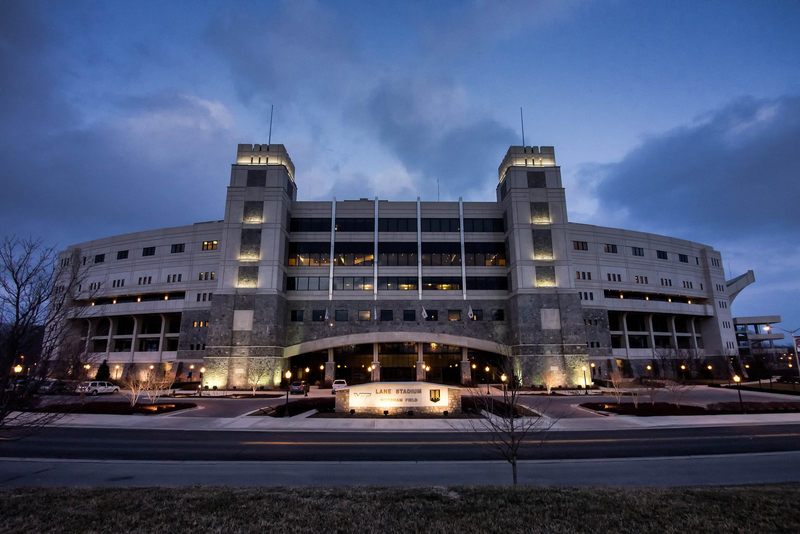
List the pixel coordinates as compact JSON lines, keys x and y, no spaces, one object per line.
{"x":436,"y":395}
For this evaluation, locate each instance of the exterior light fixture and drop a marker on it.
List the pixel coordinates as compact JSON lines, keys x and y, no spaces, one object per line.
{"x":288,"y":375}
{"x":503,"y":377}
{"x":683,"y":367}
{"x":592,"y":365}
{"x":322,"y":367}
{"x":152,"y":367}
{"x":486,"y":369}
{"x":191,"y":366}
{"x":202,"y":370}
{"x":737,"y":378}
{"x":166,"y":297}
{"x":18,"y":368}
{"x":709,"y":367}
{"x":87,"y":366}
{"x":474,"y":366}
{"x":308,"y":370}
{"x":649,"y":367}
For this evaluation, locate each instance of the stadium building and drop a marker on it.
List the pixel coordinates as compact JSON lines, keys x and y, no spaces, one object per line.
{"x":372,"y":289}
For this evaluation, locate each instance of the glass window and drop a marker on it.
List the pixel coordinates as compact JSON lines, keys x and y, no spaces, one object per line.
{"x":177,"y":248}
{"x":683,"y":258}
{"x":355,"y":224}
{"x":341,"y":315}
{"x":409,"y":315}
{"x":364,"y":315}
{"x":637,"y":251}
{"x":498,"y":315}
{"x":477,"y":315}
{"x":453,"y":315}
{"x":308,"y":224}
{"x":536,"y":180}
{"x":99,"y":258}
{"x":297,"y":316}
{"x":210,"y":245}
{"x":387,"y":315}
{"x":662,"y":254}
{"x":256,"y":177}
{"x":580,"y":245}
{"x":149,"y":251}
{"x":433,"y":315}
{"x":122,"y":255}
{"x":317,"y":315}
{"x":610,"y":248}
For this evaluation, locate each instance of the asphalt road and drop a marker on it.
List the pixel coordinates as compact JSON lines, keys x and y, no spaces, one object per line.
{"x":183,"y":445}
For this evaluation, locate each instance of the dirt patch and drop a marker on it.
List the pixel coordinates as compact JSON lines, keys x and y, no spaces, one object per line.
{"x":115,"y":408}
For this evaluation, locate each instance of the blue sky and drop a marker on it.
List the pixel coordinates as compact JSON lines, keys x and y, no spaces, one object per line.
{"x":675,"y":117}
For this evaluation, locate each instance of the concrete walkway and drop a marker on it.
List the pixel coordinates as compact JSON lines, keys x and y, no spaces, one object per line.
{"x":303,"y":423}
{"x":760,"y":468}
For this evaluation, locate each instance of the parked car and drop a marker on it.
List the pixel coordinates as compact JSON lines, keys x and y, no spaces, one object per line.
{"x":337,"y":385}
{"x":51,"y":386}
{"x":97,"y":388}
{"x":298,"y":387}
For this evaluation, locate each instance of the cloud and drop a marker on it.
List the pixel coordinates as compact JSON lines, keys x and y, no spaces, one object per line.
{"x":733,"y":173}
{"x":729,"y":179}
{"x":67,"y":179}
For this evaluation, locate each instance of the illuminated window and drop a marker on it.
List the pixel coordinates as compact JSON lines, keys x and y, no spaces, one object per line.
{"x":580,"y":245}
{"x":210,"y":245}
{"x":453,"y":315}
{"x":364,"y":315}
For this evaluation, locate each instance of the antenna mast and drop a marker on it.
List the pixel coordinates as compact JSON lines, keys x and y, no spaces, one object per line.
{"x":271,"y":109}
{"x":522,"y":124}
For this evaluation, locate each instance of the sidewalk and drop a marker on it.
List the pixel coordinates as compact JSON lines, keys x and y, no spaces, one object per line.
{"x":304,"y":423}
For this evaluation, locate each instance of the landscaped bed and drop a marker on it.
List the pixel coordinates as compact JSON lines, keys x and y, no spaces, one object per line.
{"x":470,"y":406}
{"x":452,"y":510}
{"x":114,"y":408}
{"x":647,"y":409}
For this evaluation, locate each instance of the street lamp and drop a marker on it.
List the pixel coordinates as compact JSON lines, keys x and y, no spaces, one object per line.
{"x":487,"y":378}
{"x":18,"y":368}
{"x":585,"y":384}
{"x":288,"y":375}
{"x":737,"y":379}
{"x":503,"y":379}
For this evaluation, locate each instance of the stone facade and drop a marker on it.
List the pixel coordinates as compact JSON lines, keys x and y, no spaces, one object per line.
{"x":551,"y":295}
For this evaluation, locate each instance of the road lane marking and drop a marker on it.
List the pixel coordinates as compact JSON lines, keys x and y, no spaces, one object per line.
{"x":544,"y":441}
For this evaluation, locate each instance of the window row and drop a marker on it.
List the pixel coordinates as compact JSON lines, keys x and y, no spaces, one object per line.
{"x":396,"y":283}
{"x":611,"y":248}
{"x":342,"y":315}
{"x":172,"y":278}
{"x":203,"y":297}
{"x":175,"y":248}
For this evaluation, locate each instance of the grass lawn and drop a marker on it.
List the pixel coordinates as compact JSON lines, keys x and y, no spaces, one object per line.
{"x":407,"y":510}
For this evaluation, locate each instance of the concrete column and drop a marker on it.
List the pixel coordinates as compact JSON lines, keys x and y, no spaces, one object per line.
{"x":461,"y":237}
{"x":376,"y":364}
{"x":419,"y":249}
{"x":466,"y":370}
{"x":134,"y":336}
{"x":672,"y":331}
{"x":650,"y":331}
{"x":375,"y":257}
{"x":333,"y":240}
{"x":110,"y":335}
{"x":89,"y":334}
{"x":420,"y":363}
{"x":694,"y":334}
{"x":330,"y":368}
{"x":161,"y":338}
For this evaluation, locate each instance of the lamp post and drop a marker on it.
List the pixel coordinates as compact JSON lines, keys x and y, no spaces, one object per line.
{"x":503,"y":379}
{"x":288,"y":375}
{"x":585,"y":383}
{"x":794,"y":343}
{"x":487,"y":378}
{"x":737,"y":379}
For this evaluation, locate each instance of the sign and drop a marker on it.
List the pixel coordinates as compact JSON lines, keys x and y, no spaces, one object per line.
{"x":384,"y":395}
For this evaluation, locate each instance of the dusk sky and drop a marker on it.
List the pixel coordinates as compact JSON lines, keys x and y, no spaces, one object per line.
{"x":681,"y":118}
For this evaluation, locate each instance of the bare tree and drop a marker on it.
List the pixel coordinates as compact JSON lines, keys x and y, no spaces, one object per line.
{"x":258,"y":370}
{"x":158,"y":381}
{"x":615,"y":378}
{"x":507,"y":423}
{"x":135,"y":384}
{"x":36,"y":292}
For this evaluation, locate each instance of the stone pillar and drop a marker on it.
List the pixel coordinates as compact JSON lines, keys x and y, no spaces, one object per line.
{"x":466,"y":370}
{"x":376,"y":364}
{"x":694,"y":335}
{"x":420,"y":363}
{"x":330,"y":368}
